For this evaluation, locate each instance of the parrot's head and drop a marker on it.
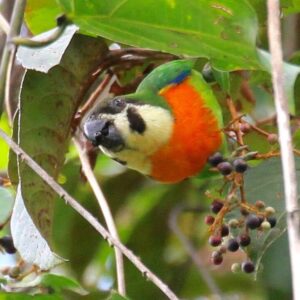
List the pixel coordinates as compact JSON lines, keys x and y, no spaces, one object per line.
{"x":167,"y":129}
{"x":129,"y":131}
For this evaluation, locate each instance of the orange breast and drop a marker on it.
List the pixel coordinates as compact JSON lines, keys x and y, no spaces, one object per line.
{"x":195,"y":136}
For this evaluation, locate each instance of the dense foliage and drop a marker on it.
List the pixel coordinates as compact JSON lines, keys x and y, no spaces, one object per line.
{"x":229,"y":40}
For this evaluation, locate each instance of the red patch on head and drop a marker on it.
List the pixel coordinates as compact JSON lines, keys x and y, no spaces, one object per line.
{"x":195,"y":136}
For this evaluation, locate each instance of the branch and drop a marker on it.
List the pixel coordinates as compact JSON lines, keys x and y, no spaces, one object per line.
{"x":32,"y":43}
{"x":4,"y":26}
{"x":104,"y":85}
{"x":15,"y":26}
{"x":88,"y":216}
{"x":88,"y":172}
{"x":285,"y":140}
{"x":204,"y":273}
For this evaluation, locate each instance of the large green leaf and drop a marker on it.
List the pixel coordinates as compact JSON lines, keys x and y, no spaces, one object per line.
{"x":48,"y":103}
{"x":223,"y":31}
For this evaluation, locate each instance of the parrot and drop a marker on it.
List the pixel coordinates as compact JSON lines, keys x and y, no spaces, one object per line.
{"x":167,"y":129}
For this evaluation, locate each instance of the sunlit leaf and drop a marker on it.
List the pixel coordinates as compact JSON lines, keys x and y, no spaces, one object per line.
{"x":44,"y":58}
{"x":222,"y":31}
{"x":40,"y":15}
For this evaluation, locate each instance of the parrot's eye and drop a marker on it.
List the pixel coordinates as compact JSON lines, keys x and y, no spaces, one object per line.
{"x":118,"y":102}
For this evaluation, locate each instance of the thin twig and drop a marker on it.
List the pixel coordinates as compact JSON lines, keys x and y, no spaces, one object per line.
{"x":15,"y":27}
{"x":4,"y":26}
{"x":7,"y":98}
{"x":106,"y":82}
{"x":88,"y":172}
{"x":88,"y":216}
{"x":204,"y":273}
{"x":235,"y":116}
{"x":32,"y":43}
{"x":285,"y":140}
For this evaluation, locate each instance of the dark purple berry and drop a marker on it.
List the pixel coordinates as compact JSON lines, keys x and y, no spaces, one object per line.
{"x":215,"y":241}
{"x":233,"y":245}
{"x":224,"y":230}
{"x":244,"y":239}
{"x":248,"y":267}
{"x":217,"y":260}
{"x":209,"y":220}
{"x":225,"y":168}
{"x":253,"y":222}
{"x":7,"y":243}
{"x":215,"y":159}
{"x":272,"y":221}
{"x":239,"y":165}
{"x":216,"y":206}
{"x":261,"y":219}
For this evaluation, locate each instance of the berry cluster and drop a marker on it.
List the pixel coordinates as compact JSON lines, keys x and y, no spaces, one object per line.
{"x":235,"y":233}
{"x":225,"y":167}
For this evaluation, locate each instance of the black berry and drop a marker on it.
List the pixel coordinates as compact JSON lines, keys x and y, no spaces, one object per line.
{"x":248,"y":267}
{"x":224,"y":230}
{"x":216,"y":206}
{"x":244,"y":239}
{"x":233,"y":245}
{"x":253,"y":222}
{"x":215,"y":159}
{"x":272,"y":221}
{"x":215,"y":241}
{"x":225,"y":168}
{"x":239,"y":165}
{"x":7,"y":243}
{"x":209,"y":220}
{"x":208,"y":74}
{"x":217,"y":260}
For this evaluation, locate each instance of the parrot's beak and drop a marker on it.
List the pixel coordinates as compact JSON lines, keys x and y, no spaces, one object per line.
{"x":103,"y":133}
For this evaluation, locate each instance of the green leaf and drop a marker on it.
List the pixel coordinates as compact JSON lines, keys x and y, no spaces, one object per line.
{"x":116,"y":296}
{"x":3,"y":146}
{"x":44,"y":58}
{"x":22,"y":296}
{"x":291,"y":73}
{"x":222,"y":31}
{"x":6,"y":204}
{"x":59,"y":283}
{"x":48,"y":103}
{"x":40,"y":15}
{"x":223,"y":79}
{"x":264,"y":182}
